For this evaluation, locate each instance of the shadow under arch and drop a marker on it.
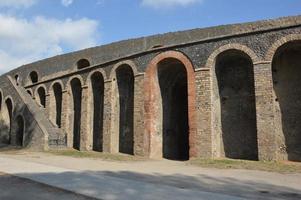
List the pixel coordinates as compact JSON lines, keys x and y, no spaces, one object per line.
{"x":76,"y":104}
{"x":234,"y":104}
{"x":96,"y":99}
{"x":163,"y":103}
{"x":286,"y":70}
{"x":124,"y":90}
{"x":20,"y":130}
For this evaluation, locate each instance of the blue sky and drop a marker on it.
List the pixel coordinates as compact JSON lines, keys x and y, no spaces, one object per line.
{"x":35,"y":29}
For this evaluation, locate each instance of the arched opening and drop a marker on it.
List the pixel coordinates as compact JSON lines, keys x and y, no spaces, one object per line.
{"x":172,"y":78}
{"x":41,"y":96}
{"x":57,"y":91}
{"x":34,"y":77}
{"x":19,"y":131}
{"x":82,"y":63}
{"x":97,"y":83}
{"x":29,"y":92}
{"x":3,"y":138}
{"x":8,"y":118}
{"x":17,"y":79}
{"x":76,"y":88}
{"x":236,"y":95}
{"x":125,"y":83}
{"x":286,"y":69}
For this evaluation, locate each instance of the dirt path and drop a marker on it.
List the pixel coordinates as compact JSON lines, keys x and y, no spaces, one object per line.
{"x":239,"y":183}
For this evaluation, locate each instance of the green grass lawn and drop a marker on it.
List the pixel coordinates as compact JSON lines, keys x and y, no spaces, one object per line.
{"x":270,"y":166}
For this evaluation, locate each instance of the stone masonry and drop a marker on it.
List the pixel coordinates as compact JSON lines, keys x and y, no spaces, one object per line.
{"x":227,"y":91}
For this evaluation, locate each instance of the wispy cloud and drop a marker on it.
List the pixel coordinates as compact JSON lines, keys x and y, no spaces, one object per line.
{"x":169,"y":3}
{"x":67,"y":3}
{"x":23,"y":41}
{"x":17,"y":3}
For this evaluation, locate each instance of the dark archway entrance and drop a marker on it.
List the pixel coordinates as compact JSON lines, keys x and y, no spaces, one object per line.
{"x":20,"y":131}
{"x":42,"y":96}
{"x":57,"y":90}
{"x":9,"y":107}
{"x":172,"y":77}
{"x":125,"y":83}
{"x":235,"y":79}
{"x":77,"y":101}
{"x":97,"y":83}
{"x":286,"y":69}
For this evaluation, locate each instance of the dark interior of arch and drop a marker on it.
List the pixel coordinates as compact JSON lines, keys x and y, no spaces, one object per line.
{"x":34,"y":77}
{"x":235,"y":78}
{"x":77,"y":100}
{"x":173,"y":85}
{"x":20,"y":131}
{"x":29,"y":92}
{"x":83,"y":63}
{"x":9,"y":106}
{"x":17,"y":79}
{"x":57,"y":89}
{"x":125,"y":82}
{"x":42,"y":96}
{"x":97,"y":83}
{"x":286,"y":69}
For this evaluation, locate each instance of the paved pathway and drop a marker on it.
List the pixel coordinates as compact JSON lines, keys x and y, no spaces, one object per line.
{"x":15,"y":188}
{"x":150,"y":179}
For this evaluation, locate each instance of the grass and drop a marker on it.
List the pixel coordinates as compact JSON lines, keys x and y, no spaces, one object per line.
{"x":269,"y":166}
{"x":96,"y":155}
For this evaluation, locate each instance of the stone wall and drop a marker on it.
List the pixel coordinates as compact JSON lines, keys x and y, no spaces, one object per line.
{"x":233,"y":63}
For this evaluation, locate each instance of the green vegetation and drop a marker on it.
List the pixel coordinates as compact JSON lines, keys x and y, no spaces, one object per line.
{"x":270,"y":166}
{"x":97,"y":155}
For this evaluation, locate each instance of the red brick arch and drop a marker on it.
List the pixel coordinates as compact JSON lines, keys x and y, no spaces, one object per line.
{"x":275,"y":46}
{"x":153,"y":145}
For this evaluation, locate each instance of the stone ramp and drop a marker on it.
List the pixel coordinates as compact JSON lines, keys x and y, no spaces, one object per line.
{"x":101,"y":186}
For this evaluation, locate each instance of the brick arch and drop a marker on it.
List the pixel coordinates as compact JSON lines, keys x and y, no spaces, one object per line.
{"x":40,"y":86}
{"x":276,"y":45}
{"x":79,"y":77}
{"x":77,"y":62}
{"x":19,"y":128}
{"x":70,"y":114}
{"x":125,"y":62}
{"x":151,"y":88}
{"x":233,"y":46}
{"x":50,"y":89}
{"x":95,"y":117}
{"x":53,"y":104}
{"x":37,"y":97}
{"x":103,"y":73}
{"x":12,"y":101}
{"x":10,"y":115}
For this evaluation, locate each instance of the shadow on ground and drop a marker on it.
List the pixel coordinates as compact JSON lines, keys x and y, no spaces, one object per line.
{"x":15,"y":188}
{"x":120,"y":183}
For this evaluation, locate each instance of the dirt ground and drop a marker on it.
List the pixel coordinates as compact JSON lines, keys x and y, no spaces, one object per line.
{"x":249,"y":184}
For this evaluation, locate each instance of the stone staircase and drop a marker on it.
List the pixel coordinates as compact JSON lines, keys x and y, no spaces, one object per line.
{"x":55,"y":136}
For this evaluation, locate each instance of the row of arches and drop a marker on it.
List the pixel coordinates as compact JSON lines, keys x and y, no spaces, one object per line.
{"x":12,"y":127}
{"x":33,"y":76}
{"x":170,"y":107}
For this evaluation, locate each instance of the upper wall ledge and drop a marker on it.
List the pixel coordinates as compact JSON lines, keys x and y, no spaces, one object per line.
{"x":118,"y":50}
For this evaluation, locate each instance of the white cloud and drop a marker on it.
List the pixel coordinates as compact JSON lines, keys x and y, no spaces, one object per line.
{"x":168,"y":3}
{"x":23,"y":41}
{"x":17,"y":3}
{"x":67,"y":3}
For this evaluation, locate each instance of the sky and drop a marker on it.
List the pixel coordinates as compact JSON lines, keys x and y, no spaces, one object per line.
{"x":31,"y":30}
